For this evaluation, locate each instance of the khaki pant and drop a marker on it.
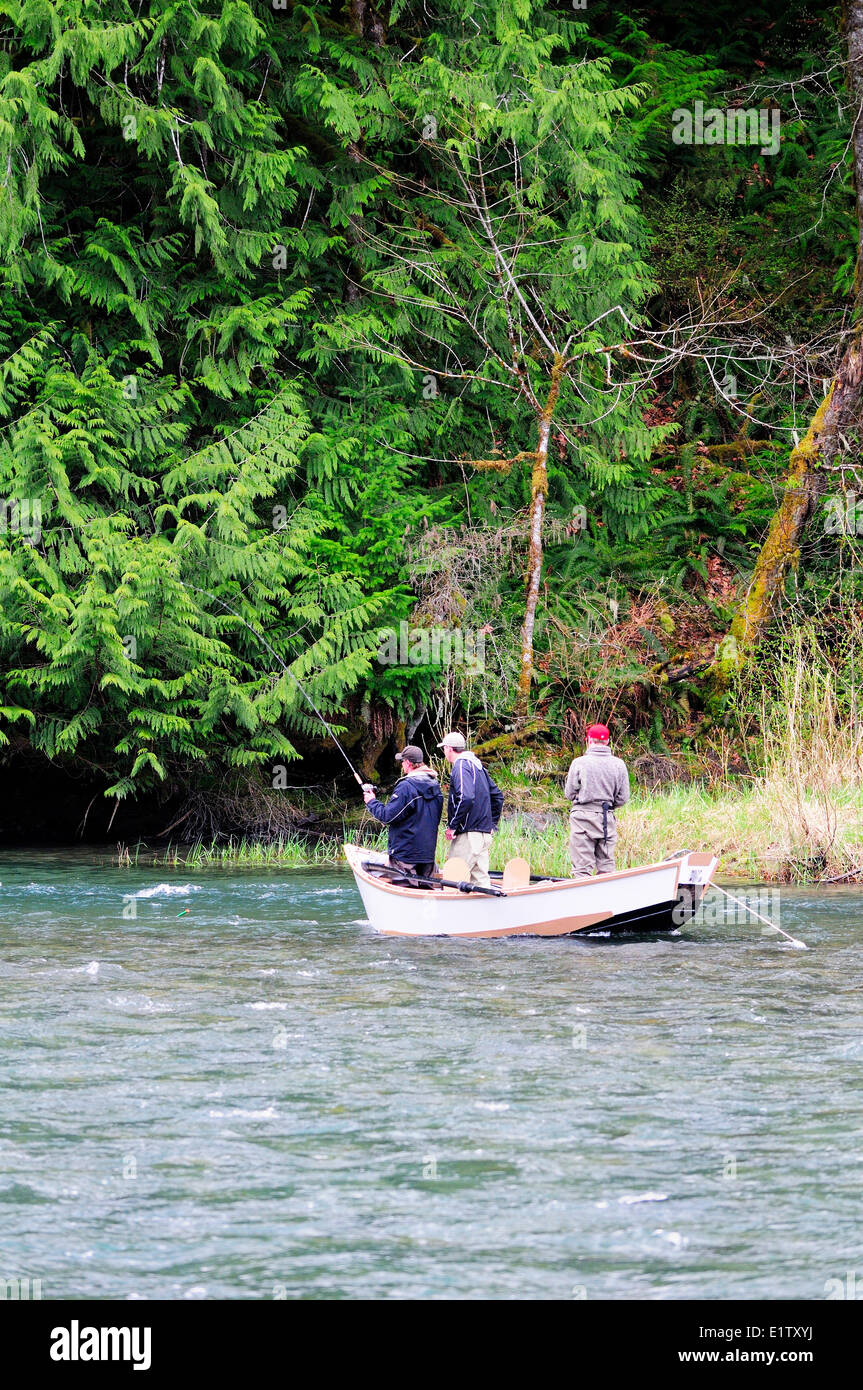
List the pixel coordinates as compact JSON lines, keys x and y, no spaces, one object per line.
{"x":473,"y":846}
{"x":587,"y":852}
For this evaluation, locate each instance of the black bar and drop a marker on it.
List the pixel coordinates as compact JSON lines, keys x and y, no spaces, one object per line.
{"x":221,"y":1340}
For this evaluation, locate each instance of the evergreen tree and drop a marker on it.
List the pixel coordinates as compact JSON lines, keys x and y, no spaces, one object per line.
{"x":158,"y":267}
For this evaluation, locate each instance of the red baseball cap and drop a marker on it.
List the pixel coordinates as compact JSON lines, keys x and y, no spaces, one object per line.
{"x":598,"y":732}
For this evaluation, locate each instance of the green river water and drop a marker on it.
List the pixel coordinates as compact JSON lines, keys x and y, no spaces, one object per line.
{"x":265,"y":1099}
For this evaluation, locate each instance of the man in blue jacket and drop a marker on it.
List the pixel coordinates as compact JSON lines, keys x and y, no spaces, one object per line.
{"x":412,"y":814}
{"x":473,"y":808}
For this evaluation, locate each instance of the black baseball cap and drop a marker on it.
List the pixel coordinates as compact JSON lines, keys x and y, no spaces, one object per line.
{"x":412,"y":753}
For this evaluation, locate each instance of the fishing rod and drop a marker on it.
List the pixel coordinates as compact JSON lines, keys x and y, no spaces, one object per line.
{"x":366,"y":786}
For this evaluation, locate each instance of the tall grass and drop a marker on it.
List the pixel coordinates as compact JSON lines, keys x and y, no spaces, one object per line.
{"x":753,"y":829}
{"x":813,"y":767}
{"x":289,"y":851}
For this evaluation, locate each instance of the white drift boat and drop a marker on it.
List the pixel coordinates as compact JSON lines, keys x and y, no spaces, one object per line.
{"x":656,"y":898}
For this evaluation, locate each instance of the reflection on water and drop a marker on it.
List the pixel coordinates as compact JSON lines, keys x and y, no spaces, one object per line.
{"x":262,"y":1098}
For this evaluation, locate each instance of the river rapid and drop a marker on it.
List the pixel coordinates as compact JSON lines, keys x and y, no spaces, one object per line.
{"x":264,"y":1099}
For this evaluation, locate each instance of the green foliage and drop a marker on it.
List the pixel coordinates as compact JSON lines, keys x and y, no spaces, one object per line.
{"x":156,"y":281}
{"x":232,"y":252}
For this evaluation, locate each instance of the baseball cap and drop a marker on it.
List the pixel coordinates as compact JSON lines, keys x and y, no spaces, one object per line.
{"x":412,"y":753}
{"x":598,"y":732}
{"x":456,"y":741}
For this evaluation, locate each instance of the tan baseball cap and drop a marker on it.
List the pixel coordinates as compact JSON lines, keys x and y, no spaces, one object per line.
{"x":456,"y":741}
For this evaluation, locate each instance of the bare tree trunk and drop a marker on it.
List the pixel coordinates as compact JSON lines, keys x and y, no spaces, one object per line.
{"x":838,"y":412}
{"x":538,"y":495}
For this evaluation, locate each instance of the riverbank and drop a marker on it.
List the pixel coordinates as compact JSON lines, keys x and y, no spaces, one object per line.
{"x":769,"y":830}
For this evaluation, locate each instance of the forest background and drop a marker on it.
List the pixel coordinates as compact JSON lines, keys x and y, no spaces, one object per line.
{"x":472,"y":363}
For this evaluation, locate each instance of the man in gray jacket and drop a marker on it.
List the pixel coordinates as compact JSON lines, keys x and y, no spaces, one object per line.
{"x":596,"y":784}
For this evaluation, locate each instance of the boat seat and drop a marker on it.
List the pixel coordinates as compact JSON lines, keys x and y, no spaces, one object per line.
{"x":516,"y":874}
{"x":456,"y":870}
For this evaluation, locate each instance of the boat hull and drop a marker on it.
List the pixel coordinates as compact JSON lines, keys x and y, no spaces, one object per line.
{"x":654,"y":898}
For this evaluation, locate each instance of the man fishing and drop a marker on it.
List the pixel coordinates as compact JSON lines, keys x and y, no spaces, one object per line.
{"x":596,"y":784}
{"x":412,"y":814}
{"x":473,"y":808}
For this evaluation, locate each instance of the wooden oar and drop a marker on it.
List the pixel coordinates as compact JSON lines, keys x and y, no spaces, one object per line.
{"x":462,"y":886}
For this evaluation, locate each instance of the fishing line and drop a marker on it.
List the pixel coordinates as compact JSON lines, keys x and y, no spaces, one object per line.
{"x":800,"y":945}
{"x":327,"y":725}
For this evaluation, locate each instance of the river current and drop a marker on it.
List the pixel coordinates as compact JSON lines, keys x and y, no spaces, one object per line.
{"x":263,"y":1099}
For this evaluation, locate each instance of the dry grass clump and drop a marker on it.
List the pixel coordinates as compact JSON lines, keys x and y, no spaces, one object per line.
{"x":800,"y":819}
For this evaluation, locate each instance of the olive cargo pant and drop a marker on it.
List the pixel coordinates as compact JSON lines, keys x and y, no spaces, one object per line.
{"x":473,"y":846}
{"x":586,"y":849}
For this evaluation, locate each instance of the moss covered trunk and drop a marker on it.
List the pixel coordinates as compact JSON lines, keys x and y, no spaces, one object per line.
{"x":838,"y":415}
{"x":781,"y":549}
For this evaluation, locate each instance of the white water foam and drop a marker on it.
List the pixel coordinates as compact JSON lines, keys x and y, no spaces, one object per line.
{"x":268,"y":1114}
{"x":131,"y":1001}
{"x":91,"y":969}
{"x":673,"y":1237}
{"x":167,"y":890}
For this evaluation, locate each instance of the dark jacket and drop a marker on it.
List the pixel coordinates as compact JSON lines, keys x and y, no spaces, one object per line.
{"x":475,"y":803}
{"x":412,"y":816}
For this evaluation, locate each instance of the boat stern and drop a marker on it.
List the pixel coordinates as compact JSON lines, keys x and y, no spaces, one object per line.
{"x":696,"y":876}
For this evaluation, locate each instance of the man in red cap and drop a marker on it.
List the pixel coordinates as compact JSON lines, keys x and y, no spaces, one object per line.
{"x":596,"y":784}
